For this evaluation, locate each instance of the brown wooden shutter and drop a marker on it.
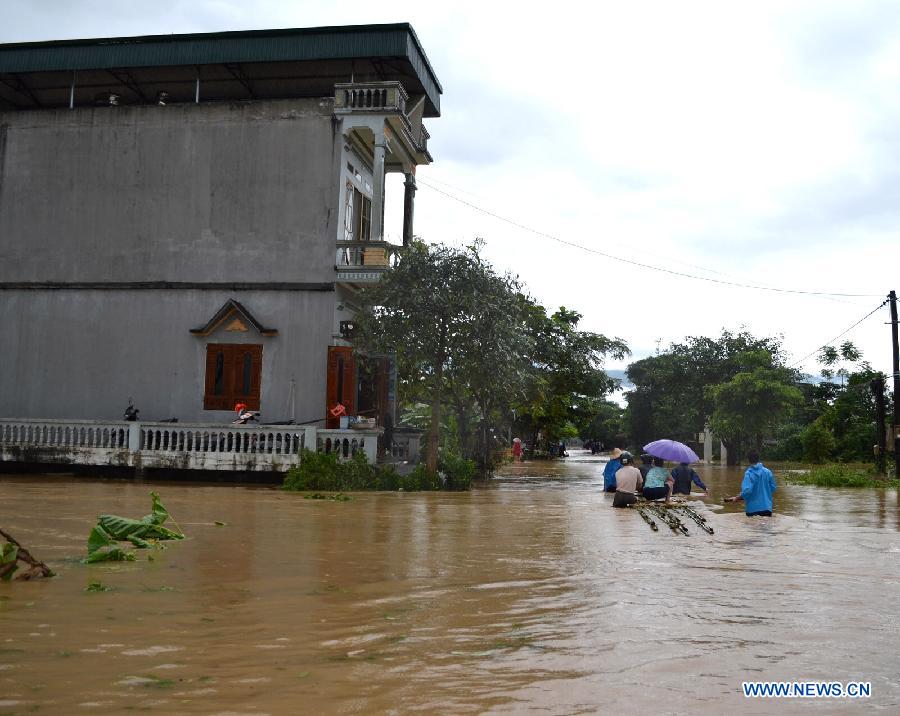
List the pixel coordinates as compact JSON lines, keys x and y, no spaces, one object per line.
{"x":211,"y":401}
{"x":233,"y":376}
{"x":240,"y":353}
{"x":338,"y":356}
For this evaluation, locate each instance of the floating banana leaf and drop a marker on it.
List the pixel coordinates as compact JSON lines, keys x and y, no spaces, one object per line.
{"x":148,"y":527}
{"x":103,"y":548}
{"x":142,"y":533}
{"x":123,"y":528}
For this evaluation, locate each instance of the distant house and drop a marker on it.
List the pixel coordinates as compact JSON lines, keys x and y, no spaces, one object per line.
{"x":185,"y":220}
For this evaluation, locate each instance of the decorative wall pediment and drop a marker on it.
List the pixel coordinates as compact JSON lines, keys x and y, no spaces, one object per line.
{"x":236,"y":318}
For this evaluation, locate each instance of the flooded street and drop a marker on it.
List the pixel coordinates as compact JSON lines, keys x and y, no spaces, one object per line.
{"x":531,"y":594}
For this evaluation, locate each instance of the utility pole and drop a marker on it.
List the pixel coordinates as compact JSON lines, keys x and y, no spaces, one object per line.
{"x":892,"y":297}
{"x":880,"y":434}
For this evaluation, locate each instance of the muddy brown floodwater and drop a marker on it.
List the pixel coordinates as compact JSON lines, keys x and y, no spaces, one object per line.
{"x":531,"y":595}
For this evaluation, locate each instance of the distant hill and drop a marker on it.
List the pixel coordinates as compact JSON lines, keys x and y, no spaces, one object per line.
{"x":628,"y":385}
{"x":620,"y":375}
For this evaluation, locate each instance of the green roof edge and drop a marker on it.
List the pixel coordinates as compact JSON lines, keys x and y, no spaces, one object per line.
{"x":72,"y":62}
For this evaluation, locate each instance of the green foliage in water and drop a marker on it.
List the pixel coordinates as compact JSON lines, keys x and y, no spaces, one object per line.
{"x":9,"y":553}
{"x":143,"y":533}
{"x":148,"y":527}
{"x":339,"y":497}
{"x":97,"y":587}
{"x":103,"y":548}
{"x":839,"y":476}
{"x":323,"y":472}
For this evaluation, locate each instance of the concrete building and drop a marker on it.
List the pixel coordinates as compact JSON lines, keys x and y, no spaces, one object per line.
{"x":185,"y":220}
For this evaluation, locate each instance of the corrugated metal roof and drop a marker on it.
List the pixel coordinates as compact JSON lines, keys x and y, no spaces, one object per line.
{"x":285,"y":45}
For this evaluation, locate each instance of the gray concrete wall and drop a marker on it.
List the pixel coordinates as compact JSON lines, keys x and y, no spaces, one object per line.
{"x":241,"y":191}
{"x":82,"y":354}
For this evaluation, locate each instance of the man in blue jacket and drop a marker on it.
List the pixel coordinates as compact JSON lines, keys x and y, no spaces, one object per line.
{"x":756,"y":488}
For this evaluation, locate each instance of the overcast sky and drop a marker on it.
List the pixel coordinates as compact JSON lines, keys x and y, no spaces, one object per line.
{"x":744,"y":142}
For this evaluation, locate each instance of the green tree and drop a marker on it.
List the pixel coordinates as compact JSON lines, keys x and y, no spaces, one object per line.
{"x":753,"y":401}
{"x":846,"y":409}
{"x":566,"y":383}
{"x":670,"y":396}
{"x":818,"y":441}
{"x":453,"y":324}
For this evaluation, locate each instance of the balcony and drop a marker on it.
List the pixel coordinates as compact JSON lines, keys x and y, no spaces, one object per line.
{"x":390,"y":100}
{"x":376,"y":97}
{"x":364,"y":261}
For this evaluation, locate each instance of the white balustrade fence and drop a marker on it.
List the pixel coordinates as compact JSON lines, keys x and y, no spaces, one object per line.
{"x":186,"y":446}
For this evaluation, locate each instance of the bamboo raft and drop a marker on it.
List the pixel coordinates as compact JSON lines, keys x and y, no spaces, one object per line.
{"x":671,"y":515}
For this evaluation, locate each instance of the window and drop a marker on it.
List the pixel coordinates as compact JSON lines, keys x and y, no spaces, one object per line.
{"x":233,"y":373}
{"x":348,"y":212}
{"x":363,"y":216}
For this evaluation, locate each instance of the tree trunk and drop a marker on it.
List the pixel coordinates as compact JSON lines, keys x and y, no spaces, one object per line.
{"x":431,"y":455}
{"x":734,"y":452}
{"x":464,"y":428}
{"x":485,"y":447}
{"x":434,"y":429}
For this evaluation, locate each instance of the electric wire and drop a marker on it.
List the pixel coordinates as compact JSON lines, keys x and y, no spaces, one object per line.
{"x":660,"y":269}
{"x":842,"y":334}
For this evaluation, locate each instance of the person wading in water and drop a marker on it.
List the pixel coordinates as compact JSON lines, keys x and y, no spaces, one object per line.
{"x":684,"y":475}
{"x":756,"y":488}
{"x":628,"y":482}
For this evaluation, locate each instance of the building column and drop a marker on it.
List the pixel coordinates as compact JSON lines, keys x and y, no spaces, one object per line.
{"x":409,"y":200}
{"x":377,"y":232}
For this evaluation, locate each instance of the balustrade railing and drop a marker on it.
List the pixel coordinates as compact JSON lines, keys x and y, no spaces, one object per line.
{"x":370,"y":96}
{"x":366,"y":254}
{"x":64,"y":433}
{"x":345,"y":445}
{"x":175,"y":445}
{"x":405,"y":445}
{"x":240,"y":441}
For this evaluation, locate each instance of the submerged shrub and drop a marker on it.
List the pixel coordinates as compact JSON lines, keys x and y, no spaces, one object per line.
{"x":457,"y":471}
{"x":839,"y":476}
{"x":324,"y":472}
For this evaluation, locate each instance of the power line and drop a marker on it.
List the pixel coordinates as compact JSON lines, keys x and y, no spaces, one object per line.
{"x":632,"y":262}
{"x":842,"y":334}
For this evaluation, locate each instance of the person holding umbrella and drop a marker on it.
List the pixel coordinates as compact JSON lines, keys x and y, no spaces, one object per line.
{"x":657,"y":483}
{"x":683,"y":475}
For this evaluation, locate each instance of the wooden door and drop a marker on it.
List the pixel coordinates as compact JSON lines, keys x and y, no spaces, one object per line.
{"x":341,"y":386}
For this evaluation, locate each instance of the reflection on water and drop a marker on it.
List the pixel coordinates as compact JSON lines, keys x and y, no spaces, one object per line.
{"x":532,"y":594}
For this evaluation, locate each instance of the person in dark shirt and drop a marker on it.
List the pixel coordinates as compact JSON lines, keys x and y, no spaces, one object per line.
{"x":684,"y":475}
{"x":646,"y":464}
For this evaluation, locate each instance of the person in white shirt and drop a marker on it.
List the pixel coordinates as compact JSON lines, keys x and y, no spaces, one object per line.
{"x":628,"y":482}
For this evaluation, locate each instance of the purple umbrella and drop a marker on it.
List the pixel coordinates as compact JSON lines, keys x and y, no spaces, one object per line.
{"x":671,"y":450}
